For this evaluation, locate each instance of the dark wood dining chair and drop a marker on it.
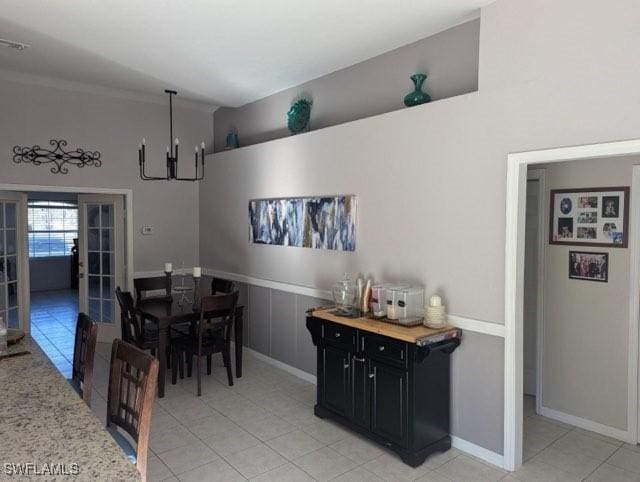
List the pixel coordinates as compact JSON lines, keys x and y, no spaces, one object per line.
{"x":219,"y":285}
{"x":84,"y":352}
{"x":143,"y":286}
{"x":133,"y":378}
{"x":210,"y":336}
{"x":134,"y":329}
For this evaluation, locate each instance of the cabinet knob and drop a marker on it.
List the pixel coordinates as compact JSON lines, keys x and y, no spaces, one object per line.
{"x":381,"y":348}
{"x":346,"y":365}
{"x":358,"y":359}
{"x":337,"y":334}
{"x":372,"y":375}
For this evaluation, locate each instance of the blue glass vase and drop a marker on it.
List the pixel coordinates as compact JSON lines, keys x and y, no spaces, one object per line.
{"x":418,"y":96}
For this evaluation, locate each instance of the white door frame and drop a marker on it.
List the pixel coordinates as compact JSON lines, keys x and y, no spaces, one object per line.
{"x":128,"y":206}
{"x":517,"y":164}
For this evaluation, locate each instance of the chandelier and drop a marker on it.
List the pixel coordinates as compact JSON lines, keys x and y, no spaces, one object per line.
{"x":172,"y":154}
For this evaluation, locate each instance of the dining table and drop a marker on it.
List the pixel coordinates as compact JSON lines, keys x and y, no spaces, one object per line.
{"x":46,"y":431}
{"x":174,"y":310}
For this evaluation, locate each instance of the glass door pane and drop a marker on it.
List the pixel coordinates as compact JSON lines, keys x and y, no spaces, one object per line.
{"x":100,"y":262}
{"x":9,"y":299}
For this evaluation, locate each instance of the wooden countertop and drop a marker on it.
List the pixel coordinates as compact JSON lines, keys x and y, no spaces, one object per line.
{"x":409,"y":334}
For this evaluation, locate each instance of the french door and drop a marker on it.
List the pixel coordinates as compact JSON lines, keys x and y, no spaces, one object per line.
{"x":102,"y":260}
{"x":14,"y":307}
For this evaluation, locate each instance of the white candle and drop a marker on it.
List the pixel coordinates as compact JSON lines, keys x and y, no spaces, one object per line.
{"x":435,"y":300}
{"x":168,"y":267}
{"x":197,"y":272}
{"x":392,"y":312}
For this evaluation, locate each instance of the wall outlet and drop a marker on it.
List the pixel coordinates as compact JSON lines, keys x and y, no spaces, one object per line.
{"x":147,"y":230}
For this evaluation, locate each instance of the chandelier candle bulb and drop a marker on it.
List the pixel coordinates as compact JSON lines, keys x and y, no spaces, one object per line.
{"x":197,"y":272}
{"x":177,"y":141}
{"x":144,"y":141}
{"x":168,"y":267}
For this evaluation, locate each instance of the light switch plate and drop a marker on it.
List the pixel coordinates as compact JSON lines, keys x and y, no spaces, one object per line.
{"x":147,"y":230}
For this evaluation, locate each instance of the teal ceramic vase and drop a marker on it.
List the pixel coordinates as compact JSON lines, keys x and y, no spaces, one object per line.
{"x":298,"y":116}
{"x":418,"y":96}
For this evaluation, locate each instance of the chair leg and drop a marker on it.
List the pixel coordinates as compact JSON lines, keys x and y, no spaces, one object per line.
{"x":208,"y":364}
{"x":169,"y":357}
{"x":198,"y":363}
{"x":189,"y":364}
{"x":226,"y":356}
{"x":181,"y":364}
{"x":174,"y":369}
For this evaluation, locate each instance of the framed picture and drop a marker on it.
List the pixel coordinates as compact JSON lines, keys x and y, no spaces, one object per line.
{"x":596,"y":216}
{"x":322,"y":222}
{"x":589,"y":266}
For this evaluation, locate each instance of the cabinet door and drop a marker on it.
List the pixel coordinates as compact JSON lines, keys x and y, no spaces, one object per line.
{"x":389,"y":405}
{"x":336,"y":380}
{"x":361,"y":391}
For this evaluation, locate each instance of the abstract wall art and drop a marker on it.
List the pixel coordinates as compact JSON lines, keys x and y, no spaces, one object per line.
{"x":323,"y":222}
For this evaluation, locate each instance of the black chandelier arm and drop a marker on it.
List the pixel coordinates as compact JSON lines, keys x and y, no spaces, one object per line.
{"x":196,"y":177}
{"x":37,"y":155}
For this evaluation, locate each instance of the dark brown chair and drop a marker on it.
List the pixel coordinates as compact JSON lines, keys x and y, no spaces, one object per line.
{"x":219,"y":285}
{"x":84,"y":351}
{"x":212,"y":334}
{"x":134,"y":329}
{"x":157,"y":283}
{"x":132,"y":389}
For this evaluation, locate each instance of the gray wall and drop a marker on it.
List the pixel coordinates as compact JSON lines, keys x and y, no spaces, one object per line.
{"x":430,"y":180}
{"x":51,"y":273}
{"x":33,"y":114}
{"x":584,"y":372}
{"x":530,"y":315}
{"x":375,"y":86}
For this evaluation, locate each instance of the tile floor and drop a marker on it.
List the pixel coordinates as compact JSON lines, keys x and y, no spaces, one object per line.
{"x":53,"y":325}
{"x":263,"y":429}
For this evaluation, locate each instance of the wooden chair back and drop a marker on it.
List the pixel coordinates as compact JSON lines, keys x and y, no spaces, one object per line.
{"x":129,"y":319}
{"x":219,"y":285}
{"x":84,"y":351}
{"x":132,"y":389}
{"x":224,"y":306}
{"x":156,"y":283}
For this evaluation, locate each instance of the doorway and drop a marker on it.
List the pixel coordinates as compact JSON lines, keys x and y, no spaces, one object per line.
{"x":517,"y":167}
{"x":104,"y":246}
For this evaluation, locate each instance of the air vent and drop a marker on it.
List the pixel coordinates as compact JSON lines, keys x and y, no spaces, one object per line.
{"x":13,"y":45}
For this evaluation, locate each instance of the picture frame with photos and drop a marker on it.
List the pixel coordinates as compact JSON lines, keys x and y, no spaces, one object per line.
{"x":596,"y":216}
{"x":589,"y":266}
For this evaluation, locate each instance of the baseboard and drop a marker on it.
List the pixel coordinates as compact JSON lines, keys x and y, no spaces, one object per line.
{"x":283,"y":366}
{"x":583,"y":423}
{"x":470,"y":448}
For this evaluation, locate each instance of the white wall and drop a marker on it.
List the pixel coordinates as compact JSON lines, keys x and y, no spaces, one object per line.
{"x":431,"y":180}
{"x":586,"y":323}
{"x":33,"y":113}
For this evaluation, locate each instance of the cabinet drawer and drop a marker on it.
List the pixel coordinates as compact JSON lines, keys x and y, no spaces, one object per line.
{"x":384,"y":348}
{"x":339,"y":334}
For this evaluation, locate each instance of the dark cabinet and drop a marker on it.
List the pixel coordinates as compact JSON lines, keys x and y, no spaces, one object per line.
{"x":336,"y":379}
{"x":389,"y":402}
{"x":360,"y":391}
{"x":392,"y":391}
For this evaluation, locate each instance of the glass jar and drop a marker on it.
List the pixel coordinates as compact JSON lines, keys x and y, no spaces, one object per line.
{"x":345,"y":295}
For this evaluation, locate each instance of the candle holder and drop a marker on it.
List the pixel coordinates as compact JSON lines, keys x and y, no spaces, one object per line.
{"x":196,"y":293}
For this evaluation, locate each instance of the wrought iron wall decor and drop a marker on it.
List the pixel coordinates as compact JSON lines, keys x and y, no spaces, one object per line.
{"x":172,"y":155}
{"x":37,"y":155}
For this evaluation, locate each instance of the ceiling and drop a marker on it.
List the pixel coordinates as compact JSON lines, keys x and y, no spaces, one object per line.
{"x":218,"y":52}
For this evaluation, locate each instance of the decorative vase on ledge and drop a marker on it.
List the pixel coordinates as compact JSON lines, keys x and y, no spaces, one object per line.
{"x":418,"y":96}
